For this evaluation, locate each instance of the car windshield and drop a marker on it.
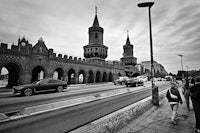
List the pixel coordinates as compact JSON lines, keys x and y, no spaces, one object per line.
{"x":42,"y":81}
{"x":35,"y":82}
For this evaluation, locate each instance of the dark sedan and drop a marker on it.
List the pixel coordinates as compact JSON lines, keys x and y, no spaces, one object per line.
{"x":42,"y":85}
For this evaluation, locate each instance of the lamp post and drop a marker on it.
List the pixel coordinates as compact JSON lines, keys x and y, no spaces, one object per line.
{"x":181,"y":65}
{"x":155,"y":98}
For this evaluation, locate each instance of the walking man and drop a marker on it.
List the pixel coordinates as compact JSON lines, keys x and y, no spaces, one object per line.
{"x":195,"y":97}
{"x":174,"y":99}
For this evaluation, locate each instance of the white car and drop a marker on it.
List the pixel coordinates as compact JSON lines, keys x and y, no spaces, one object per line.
{"x":142,"y":78}
{"x":121,"y":80}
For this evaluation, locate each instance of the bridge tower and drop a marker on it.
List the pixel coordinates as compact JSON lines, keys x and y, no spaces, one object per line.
{"x":128,"y":59}
{"x":95,"y":50}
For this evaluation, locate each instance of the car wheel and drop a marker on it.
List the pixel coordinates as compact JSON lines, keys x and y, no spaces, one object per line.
{"x":60,"y":89}
{"x":28,"y":92}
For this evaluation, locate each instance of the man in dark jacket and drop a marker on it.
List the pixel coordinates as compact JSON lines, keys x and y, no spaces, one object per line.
{"x":195,"y":97}
{"x":174,"y":99}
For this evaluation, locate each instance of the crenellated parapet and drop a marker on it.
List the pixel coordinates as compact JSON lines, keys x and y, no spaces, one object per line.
{"x":70,"y":59}
{"x":16,"y":49}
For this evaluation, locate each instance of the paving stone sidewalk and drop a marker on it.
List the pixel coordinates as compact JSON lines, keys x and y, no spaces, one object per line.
{"x":158,"y":120}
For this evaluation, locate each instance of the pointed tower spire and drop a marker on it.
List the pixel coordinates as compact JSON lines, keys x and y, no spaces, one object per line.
{"x":95,"y":10}
{"x":128,"y":40}
{"x":96,"y":22}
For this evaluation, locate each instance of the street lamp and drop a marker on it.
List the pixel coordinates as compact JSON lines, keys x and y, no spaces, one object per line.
{"x":155,"y":98}
{"x":181,"y":65}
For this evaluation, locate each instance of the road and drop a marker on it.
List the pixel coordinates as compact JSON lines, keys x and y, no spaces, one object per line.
{"x":71,"y":118}
{"x":10,"y":102}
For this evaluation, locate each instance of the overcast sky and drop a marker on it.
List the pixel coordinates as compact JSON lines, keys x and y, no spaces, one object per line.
{"x":64,"y":24}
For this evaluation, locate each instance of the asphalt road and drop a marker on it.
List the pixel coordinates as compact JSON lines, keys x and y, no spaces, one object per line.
{"x":68,"y":119}
{"x":12,"y":103}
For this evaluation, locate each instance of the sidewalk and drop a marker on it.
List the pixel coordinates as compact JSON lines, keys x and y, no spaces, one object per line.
{"x":158,"y":120}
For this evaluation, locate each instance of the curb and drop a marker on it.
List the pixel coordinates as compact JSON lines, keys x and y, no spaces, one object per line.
{"x":117,"y":120}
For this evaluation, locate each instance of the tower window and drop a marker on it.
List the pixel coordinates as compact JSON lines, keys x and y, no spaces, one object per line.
{"x":96,"y":35}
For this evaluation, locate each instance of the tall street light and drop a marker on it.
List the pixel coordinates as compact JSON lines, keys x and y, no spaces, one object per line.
{"x":181,"y":65}
{"x":155,"y":98}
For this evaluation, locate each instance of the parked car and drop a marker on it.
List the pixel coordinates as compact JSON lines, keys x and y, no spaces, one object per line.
{"x":42,"y":85}
{"x":121,"y":80}
{"x":134,"y":82}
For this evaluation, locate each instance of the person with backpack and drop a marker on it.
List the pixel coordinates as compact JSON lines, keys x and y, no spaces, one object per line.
{"x":174,"y":99}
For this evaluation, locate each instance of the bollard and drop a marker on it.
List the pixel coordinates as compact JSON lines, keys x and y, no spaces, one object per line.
{"x":155,"y":96}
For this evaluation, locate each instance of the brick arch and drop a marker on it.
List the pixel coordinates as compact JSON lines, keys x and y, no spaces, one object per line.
{"x":90,"y":76}
{"x":81,"y":74}
{"x":98,"y":76}
{"x":105,"y":77}
{"x":35,"y":72}
{"x":59,"y":72}
{"x":110,"y":77}
{"x":71,"y":74}
{"x":14,"y":71}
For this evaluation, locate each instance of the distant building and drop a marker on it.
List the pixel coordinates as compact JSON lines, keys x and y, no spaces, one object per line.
{"x":159,"y":70}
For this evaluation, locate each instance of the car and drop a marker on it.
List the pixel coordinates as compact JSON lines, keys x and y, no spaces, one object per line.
{"x":143,"y":78}
{"x":42,"y":85}
{"x":134,"y":82}
{"x":120,"y":81}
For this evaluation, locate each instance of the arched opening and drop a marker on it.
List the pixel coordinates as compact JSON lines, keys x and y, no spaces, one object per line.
{"x":110,"y":79}
{"x":37,"y":73}
{"x":58,"y":74}
{"x":4,"y":77}
{"x":104,"y":77}
{"x":98,"y":77}
{"x":91,"y":77}
{"x":81,"y":77}
{"x":71,"y":76}
{"x":12,"y":75}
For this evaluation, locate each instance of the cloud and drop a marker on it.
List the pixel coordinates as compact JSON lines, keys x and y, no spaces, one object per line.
{"x":64,"y":26}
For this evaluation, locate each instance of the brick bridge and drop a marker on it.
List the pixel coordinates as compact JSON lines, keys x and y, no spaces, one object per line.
{"x":25,"y":63}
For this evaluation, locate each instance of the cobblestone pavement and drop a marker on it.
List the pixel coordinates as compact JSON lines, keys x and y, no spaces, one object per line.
{"x":158,"y":120}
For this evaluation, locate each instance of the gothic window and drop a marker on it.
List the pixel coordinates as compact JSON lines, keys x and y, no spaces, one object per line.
{"x":40,"y":49}
{"x":96,"y":35}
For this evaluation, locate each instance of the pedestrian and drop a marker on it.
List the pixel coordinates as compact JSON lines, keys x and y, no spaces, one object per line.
{"x":195,"y":97}
{"x":186,"y":93}
{"x":174,"y":99}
